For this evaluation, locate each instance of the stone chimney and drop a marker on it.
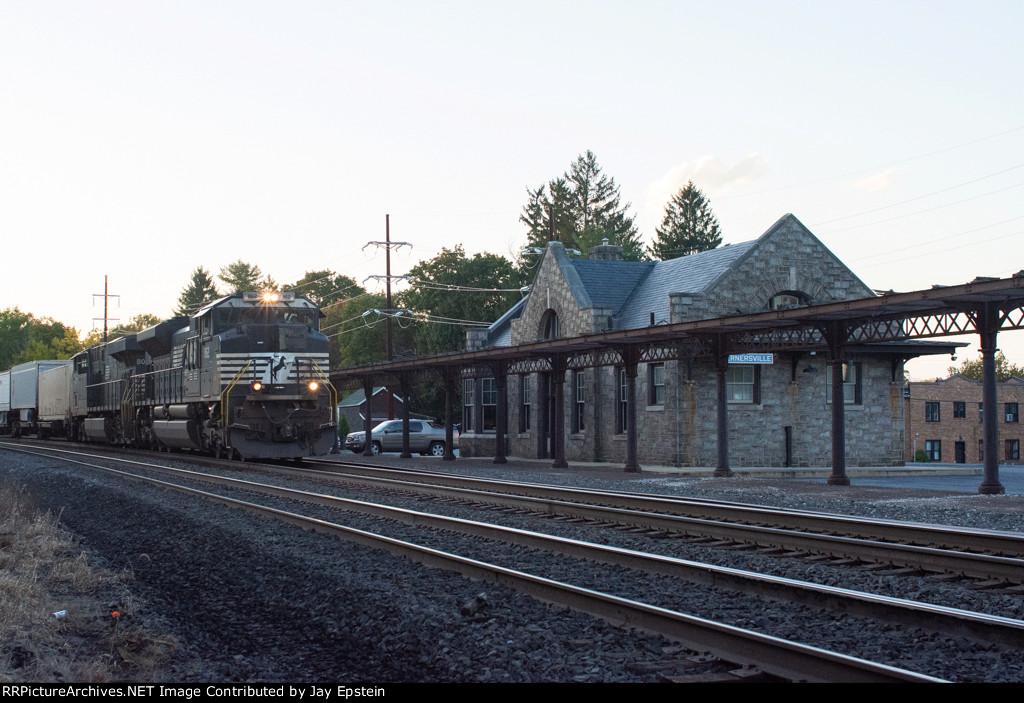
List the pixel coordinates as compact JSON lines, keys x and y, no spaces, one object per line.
{"x":605,"y":252}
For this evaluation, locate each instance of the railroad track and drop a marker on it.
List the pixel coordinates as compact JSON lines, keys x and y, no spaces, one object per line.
{"x":993,"y":559}
{"x":722,"y":639}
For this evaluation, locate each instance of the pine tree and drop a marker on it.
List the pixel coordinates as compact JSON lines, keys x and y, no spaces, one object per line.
{"x":587,"y":209}
{"x":197,"y":293}
{"x":689,"y":226}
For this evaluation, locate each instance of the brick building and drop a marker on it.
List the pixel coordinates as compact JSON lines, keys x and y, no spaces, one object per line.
{"x":354,"y":408}
{"x":779,"y":408}
{"x":944,"y":419}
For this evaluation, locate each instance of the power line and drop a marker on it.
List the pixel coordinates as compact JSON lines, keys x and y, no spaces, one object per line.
{"x":920,"y":197}
{"x":926,"y":210}
{"x":939,"y":239}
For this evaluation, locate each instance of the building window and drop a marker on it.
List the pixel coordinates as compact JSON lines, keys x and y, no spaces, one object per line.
{"x":579,"y":406}
{"x":981,"y":412}
{"x":852,"y":386}
{"x":742,"y":384}
{"x":1011,"y":412}
{"x":489,"y":404}
{"x":622,"y":401}
{"x":981,"y":450}
{"x":933,"y":447}
{"x":959,"y":408}
{"x":931,"y":412}
{"x":524,"y":414}
{"x":1012,"y":450}
{"x":468,"y":392}
{"x":657,"y":383}
{"x":549,"y":325}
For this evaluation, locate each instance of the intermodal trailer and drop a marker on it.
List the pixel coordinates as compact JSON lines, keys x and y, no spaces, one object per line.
{"x":25,"y":394}
{"x":5,"y":401}
{"x":55,"y":401}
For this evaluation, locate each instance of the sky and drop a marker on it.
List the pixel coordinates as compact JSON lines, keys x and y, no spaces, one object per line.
{"x":141,"y":139}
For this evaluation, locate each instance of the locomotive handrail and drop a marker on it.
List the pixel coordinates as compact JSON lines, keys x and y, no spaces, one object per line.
{"x":334,"y":391}
{"x":126,"y":413}
{"x":226,"y":394}
{"x":163,"y":390}
{"x":108,"y":396}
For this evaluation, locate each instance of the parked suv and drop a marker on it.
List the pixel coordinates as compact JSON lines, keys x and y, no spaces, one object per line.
{"x":424,"y":437}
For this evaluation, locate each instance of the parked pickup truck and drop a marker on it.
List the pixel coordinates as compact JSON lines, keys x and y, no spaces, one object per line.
{"x":424,"y":437}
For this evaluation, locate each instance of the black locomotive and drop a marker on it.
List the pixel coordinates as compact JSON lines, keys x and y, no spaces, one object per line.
{"x":244,"y":377}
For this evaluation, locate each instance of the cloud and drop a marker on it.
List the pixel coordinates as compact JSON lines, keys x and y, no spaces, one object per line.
{"x":711,"y":174}
{"x":878,"y":181}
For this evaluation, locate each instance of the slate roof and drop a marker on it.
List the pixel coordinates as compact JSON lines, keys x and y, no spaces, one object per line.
{"x":632,"y":290}
{"x":610,"y":283}
{"x":499,"y":334}
{"x":688,"y":274}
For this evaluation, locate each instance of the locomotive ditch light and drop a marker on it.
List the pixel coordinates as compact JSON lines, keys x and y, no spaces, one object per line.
{"x":313,"y":385}
{"x":257,"y":386}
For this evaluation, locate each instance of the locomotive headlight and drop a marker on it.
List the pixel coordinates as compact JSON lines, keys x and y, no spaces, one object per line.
{"x":313,"y":385}
{"x":270,"y":297}
{"x":257,"y":386}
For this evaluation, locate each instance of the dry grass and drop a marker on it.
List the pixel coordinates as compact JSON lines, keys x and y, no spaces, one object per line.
{"x":43,"y":571}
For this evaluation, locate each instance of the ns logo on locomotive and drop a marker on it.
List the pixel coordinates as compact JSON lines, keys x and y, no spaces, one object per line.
{"x":245,"y":377}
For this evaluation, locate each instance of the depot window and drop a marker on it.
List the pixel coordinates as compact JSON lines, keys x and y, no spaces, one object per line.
{"x":579,"y":401}
{"x":852,"y":386}
{"x":743,"y":384}
{"x":524,"y":413}
{"x":657,"y":395}
{"x":931,"y":412}
{"x":468,"y":392}
{"x":489,"y":404}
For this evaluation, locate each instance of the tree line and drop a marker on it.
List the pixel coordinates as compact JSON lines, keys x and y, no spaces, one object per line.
{"x":444,"y":296}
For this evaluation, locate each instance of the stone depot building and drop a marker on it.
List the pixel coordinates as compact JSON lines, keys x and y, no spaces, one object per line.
{"x":779,"y":408}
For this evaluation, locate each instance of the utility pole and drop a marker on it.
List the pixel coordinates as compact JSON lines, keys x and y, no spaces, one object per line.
{"x":105,"y":297}
{"x":389,"y":312}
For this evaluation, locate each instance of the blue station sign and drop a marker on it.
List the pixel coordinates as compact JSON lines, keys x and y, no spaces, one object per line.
{"x":751,"y":358}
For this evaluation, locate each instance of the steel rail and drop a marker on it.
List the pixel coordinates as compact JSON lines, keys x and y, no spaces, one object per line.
{"x":953,"y":621}
{"x":945,"y":536}
{"x":970,"y":564}
{"x":776,"y":656}
{"x":931,"y":559}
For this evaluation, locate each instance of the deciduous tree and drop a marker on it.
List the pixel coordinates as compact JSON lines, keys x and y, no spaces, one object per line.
{"x":453,"y":290}
{"x":972,"y":368}
{"x":241,"y":275}
{"x":326,"y":287}
{"x":24,"y":337}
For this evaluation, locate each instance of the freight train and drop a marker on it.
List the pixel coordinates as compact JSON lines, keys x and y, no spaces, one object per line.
{"x":245,"y":377}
